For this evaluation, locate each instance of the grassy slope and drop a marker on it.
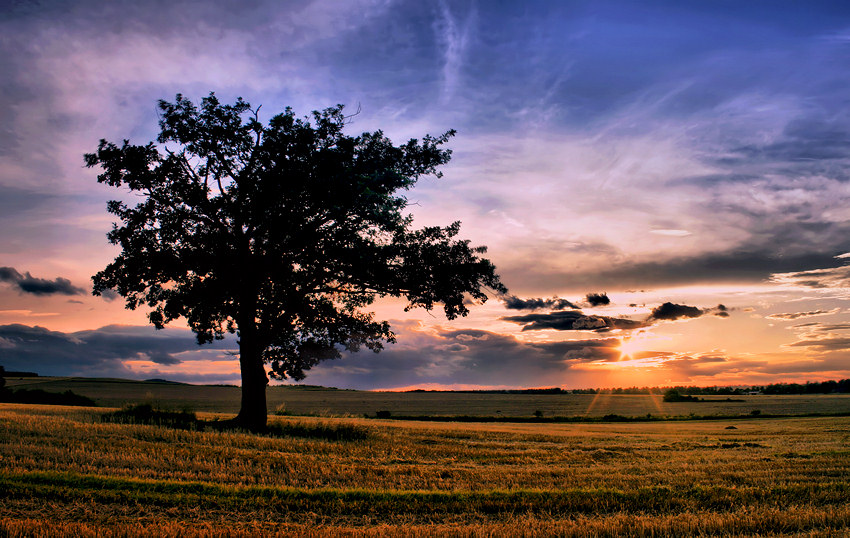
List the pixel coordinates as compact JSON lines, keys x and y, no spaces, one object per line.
{"x":771,"y":476}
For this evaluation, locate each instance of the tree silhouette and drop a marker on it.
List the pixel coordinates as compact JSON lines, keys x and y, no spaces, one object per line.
{"x":281,"y":233}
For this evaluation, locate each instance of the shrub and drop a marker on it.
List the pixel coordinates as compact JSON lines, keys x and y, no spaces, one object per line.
{"x":673,"y":395}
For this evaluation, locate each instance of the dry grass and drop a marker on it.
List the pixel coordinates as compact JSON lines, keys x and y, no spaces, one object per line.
{"x":66,"y":473}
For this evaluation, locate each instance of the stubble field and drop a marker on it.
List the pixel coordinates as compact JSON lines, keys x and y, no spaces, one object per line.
{"x":64,"y":472}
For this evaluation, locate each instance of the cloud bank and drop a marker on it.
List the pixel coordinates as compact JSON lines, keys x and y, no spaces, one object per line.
{"x":100,"y":352}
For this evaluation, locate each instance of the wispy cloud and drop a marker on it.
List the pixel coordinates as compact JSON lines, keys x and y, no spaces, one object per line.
{"x":454,"y":33}
{"x":806,"y":314}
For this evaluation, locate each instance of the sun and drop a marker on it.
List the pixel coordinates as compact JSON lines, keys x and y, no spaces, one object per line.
{"x":630,"y":345}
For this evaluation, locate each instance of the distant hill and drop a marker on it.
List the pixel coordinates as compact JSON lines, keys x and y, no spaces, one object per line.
{"x":158,"y":380}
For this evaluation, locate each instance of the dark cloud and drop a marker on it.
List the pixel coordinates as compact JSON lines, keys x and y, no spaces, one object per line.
{"x":572,"y":320}
{"x":672,"y":311}
{"x":38,"y":286}
{"x":513,"y":302}
{"x":96,"y":352}
{"x":9,"y":274}
{"x":597,"y":299}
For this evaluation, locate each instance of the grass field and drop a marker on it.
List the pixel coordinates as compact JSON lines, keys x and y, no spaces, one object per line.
{"x":64,"y":472}
{"x":298,"y":400}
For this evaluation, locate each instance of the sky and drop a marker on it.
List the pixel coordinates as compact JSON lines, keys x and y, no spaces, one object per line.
{"x":663,"y":186}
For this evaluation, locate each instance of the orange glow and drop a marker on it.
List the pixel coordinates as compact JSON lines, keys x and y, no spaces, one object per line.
{"x":630,"y":345}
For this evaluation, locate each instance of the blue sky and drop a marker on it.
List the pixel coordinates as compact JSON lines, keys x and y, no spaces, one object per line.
{"x":685,"y":152}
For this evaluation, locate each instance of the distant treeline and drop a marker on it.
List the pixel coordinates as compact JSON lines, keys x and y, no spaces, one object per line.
{"x":817,"y":387}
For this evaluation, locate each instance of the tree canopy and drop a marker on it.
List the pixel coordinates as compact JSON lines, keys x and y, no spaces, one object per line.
{"x":283,"y":233}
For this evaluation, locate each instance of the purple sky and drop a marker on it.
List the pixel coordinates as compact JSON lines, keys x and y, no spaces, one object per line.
{"x":690,"y":153}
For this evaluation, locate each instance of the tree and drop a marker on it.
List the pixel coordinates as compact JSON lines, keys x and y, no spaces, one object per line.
{"x":281,"y":233}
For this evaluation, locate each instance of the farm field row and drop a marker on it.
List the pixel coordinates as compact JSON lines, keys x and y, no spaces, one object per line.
{"x":64,"y":471}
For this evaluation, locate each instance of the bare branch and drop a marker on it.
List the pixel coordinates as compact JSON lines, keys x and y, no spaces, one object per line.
{"x":346,"y":120}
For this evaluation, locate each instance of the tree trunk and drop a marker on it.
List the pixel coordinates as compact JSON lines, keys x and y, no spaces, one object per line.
{"x":253,"y":413}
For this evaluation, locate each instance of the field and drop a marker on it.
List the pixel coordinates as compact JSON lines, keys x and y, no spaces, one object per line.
{"x":298,"y":400}
{"x":65,"y":472}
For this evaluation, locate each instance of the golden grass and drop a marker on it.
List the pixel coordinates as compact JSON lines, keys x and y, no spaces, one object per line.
{"x":66,"y":473}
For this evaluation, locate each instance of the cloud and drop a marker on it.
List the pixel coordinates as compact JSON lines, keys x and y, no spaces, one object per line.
{"x":465,"y":357}
{"x":99,"y":352}
{"x":597,"y":299}
{"x":454,"y":36}
{"x":820,"y":328}
{"x":822,"y":337}
{"x":734,"y":266}
{"x":798,"y":315}
{"x":834,"y":277}
{"x":671,"y":311}
{"x":109,"y":295}
{"x":512,"y":302}
{"x":27,"y":283}
{"x":823,"y":345}
{"x":573,"y":320}
{"x":720,"y":311}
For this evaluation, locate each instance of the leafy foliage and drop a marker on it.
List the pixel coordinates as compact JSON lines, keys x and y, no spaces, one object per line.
{"x":281,"y":232}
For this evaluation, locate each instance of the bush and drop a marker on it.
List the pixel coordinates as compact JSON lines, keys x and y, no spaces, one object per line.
{"x":383,"y":414}
{"x":673,"y":395}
